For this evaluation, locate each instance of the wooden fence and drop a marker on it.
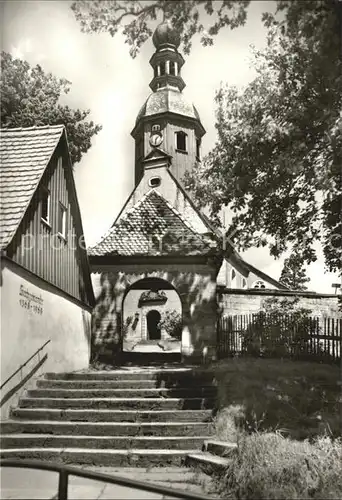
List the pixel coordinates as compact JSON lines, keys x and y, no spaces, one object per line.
{"x":282,"y":335}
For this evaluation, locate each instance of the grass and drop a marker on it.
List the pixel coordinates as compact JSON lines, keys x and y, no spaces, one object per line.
{"x":300,"y":399}
{"x":269,"y":466}
{"x":286,"y":418}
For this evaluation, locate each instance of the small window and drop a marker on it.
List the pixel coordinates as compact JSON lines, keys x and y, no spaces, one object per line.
{"x":62,"y":220}
{"x":233,"y":279}
{"x":162,"y":68}
{"x":181,"y":140}
{"x":154,"y":182}
{"x":172,"y":68}
{"x":198,"y":149}
{"x":259,"y":284}
{"x":45,"y":205}
{"x":244,"y":283}
{"x":155,"y":128}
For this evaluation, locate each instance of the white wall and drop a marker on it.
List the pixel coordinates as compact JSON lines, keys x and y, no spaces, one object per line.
{"x":53,"y":317}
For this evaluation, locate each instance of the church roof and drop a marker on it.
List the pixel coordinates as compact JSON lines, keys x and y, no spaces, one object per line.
{"x":167,"y":100}
{"x":152,"y":227}
{"x":24,"y":156}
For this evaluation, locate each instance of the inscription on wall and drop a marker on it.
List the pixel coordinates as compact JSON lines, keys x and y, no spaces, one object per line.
{"x":30,"y":301}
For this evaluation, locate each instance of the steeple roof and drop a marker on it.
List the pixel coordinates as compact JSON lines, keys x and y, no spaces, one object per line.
{"x":167,"y":100}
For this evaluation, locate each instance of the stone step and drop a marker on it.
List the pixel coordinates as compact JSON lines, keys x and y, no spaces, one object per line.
{"x":219,"y":448}
{"x":120,"y":403}
{"x":96,"y":384}
{"x":108,"y":428}
{"x":113,"y":458}
{"x":136,"y":373}
{"x":112,"y":415}
{"x":9,"y":441}
{"x":207,"y":462}
{"x":116,"y":384}
{"x":123,"y":393}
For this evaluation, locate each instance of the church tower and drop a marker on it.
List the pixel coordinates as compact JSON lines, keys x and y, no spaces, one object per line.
{"x":167,"y":120}
{"x":161,"y":257}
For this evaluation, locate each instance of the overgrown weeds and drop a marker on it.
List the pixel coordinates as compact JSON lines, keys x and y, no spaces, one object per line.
{"x":270,"y":466}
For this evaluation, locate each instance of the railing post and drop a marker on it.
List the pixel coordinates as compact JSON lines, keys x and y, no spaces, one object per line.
{"x":63,"y":485}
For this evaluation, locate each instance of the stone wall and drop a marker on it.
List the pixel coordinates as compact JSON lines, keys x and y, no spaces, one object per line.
{"x":235,"y":302}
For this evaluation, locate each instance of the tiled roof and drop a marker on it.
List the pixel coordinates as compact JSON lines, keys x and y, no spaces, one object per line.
{"x":152,"y":227}
{"x":24,"y":155}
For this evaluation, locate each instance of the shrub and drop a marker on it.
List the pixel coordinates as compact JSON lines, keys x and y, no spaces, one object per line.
{"x":171,"y":322}
{"x":269,"y":466}
{"x":279,"y":330}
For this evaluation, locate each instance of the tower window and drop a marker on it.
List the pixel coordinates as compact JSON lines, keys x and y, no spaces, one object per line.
{"x":162,"y":68}
{"x":155,"y":128}
{"x":198,"y":149}
{"x":181,"y":140}
{"x":172,"y":68}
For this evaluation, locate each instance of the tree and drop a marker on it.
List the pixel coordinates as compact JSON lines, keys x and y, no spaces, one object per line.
{"x":293,"y":274}
{"x":276,"y":163}
{"x":171,"y":322}
{"x":277,"y":160}
{"x":29,"y":97}
{"x":137,"y":18}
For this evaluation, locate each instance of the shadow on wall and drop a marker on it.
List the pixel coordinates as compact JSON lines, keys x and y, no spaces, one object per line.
{"x":197,"y":291}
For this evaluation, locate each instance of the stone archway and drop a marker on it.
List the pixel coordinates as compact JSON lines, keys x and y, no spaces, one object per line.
{"x":153,"y":318}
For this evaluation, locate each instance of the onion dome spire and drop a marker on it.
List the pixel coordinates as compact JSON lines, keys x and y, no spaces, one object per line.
{"x":166,"y":61}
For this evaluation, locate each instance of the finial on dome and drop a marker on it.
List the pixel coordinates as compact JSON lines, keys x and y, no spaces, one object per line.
{"x":165,"y":34}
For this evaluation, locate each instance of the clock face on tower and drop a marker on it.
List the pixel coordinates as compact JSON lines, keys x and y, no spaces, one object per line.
{"x":156,"y":140}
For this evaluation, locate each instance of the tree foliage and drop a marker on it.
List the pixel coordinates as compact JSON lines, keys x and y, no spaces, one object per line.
{"x":138,"y":18}
{"x":29,"y":97}
{"x":293,"y":274}
{"x":277,"y":161}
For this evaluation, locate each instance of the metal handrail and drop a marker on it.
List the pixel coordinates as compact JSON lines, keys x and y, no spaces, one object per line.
{"x":24,"y":364}
{"x":66,"y":470}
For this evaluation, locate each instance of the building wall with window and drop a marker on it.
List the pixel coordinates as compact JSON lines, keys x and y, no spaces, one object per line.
{"x":183,"y":160}
{"x":47,"y":241}
{"x":46,"y":291}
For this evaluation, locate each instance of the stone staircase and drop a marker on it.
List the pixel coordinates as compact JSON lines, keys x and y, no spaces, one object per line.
{"x":130,"y":417}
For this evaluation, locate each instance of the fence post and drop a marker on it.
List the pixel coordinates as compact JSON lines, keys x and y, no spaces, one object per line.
{"x":63,"y":485}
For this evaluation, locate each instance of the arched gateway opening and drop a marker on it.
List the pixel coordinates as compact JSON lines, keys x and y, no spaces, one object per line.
{"x":151,"y":317}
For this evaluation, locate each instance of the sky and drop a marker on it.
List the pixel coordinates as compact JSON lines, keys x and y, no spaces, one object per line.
{"x":106,"y":80}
